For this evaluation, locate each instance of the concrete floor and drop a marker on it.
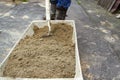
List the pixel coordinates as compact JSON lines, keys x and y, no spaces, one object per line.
{"x":97,"y":32}
{"x":98,"y":39}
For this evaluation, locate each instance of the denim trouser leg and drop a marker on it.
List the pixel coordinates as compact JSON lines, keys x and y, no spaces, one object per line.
{"x":61,"y":14}
{"x":53,"y":11}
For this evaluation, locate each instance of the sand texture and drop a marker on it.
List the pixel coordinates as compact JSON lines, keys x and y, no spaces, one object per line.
{"x":44,"y":57}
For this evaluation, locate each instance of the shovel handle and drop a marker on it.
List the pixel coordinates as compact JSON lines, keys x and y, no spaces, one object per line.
{"x":47,"y":10}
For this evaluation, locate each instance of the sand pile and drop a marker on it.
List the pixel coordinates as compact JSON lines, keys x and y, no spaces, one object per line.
{"x":44,"y":57}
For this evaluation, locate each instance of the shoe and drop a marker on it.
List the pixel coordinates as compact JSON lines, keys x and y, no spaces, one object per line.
{"x":118,"y":16}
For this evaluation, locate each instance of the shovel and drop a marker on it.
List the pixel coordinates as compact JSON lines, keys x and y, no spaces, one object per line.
{"x":48,"y":18}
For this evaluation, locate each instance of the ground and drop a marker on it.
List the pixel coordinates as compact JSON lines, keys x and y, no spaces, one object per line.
{"x":98,"y":34}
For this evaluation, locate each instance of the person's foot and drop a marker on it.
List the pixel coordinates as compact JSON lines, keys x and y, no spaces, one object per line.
{"x":118,"y":16}
{"x":44,"y":18}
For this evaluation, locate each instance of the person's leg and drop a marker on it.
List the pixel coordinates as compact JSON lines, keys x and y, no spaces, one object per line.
{"x":53,"y":11}
{"x":64,"y":14}
{"x":61,"y":14}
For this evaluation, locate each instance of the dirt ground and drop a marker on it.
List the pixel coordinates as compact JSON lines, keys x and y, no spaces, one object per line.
{"x":44,"y":57}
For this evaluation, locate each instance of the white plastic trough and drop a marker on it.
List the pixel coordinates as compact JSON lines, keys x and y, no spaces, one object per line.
{"x":29,"y":31}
